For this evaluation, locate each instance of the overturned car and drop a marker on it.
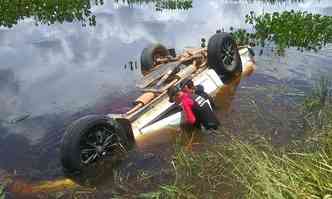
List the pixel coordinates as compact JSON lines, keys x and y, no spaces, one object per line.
{"x":94,"y":137}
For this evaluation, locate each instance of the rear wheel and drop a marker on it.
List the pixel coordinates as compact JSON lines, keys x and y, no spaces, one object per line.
{"x":91,"y":139}
{"x":223,"y":56}
{"x":150,"y":55}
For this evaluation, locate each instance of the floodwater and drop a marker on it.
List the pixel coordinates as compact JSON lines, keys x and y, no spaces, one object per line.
{"x":52,"y":75}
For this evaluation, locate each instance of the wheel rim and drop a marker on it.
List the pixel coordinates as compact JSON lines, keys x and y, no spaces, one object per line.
{"x":98,"y":143}
{"x":227,"y":55}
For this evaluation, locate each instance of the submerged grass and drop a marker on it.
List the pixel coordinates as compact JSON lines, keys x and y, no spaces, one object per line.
{"x":2,"y":192}
{"x":237,"y":168}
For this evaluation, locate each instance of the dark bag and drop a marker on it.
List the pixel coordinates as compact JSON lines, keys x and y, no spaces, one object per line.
{"x":204,"y":113}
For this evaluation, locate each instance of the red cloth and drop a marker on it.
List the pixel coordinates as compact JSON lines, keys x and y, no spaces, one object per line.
{"x":187,"y":104}
{"x":187,"y":92}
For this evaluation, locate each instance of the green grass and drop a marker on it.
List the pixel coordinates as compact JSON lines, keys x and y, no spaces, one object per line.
{"x":2,"y":192}
{"x":282,"y":175}
{"x":242,"y":170}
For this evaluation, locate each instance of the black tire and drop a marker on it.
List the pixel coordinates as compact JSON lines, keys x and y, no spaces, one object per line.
{"x":149,"y":54}
{"x":72,"y":156}
{"x":223,"y":56}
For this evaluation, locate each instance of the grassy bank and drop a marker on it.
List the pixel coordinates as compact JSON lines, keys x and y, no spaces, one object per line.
{"x":237,"y":168}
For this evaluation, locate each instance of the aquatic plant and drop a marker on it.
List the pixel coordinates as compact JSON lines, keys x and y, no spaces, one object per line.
{"x":173,"y":5}
{"x":161,"y":5}
{"x":2,"y":192}
{"x":317,"y":106}
{"x":302,"y":30}
{"x":50,"y":12}
{"x":47,"y":11}
{"x":319,"y":97}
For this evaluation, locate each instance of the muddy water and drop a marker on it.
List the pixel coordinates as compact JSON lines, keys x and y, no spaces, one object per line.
{"x":52,"y":75}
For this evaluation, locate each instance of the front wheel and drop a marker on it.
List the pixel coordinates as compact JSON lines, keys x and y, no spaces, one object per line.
{"x":90,"y":140}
